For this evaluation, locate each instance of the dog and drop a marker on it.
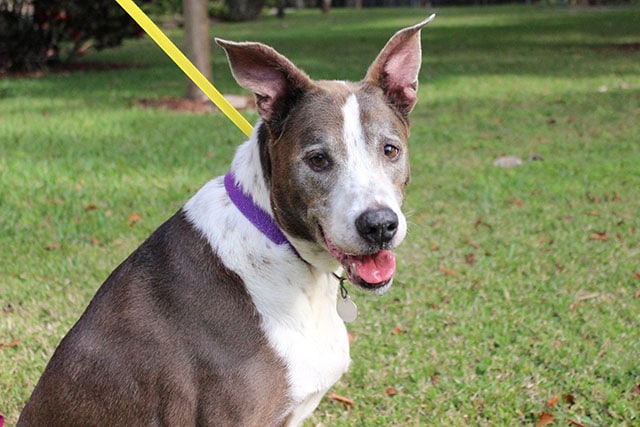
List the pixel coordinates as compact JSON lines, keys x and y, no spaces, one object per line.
{"x":227,"y":314}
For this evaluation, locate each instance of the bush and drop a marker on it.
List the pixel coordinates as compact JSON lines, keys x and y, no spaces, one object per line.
{"x":35,"y":34}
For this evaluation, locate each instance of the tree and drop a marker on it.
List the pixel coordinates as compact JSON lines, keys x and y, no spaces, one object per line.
{"x":196,"y":36}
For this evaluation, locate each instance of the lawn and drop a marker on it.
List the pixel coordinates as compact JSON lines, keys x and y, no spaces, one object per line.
{"x":517,"y":299}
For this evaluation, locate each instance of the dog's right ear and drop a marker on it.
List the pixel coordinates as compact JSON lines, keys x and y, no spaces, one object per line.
{"x":274,"y":80}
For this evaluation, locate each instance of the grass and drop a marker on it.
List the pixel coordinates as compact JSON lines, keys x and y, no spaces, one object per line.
{"x":518,"y":290}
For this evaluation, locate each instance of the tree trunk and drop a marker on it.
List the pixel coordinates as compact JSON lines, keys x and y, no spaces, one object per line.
{"x":326,"y":6}
{"x":196,"y":39}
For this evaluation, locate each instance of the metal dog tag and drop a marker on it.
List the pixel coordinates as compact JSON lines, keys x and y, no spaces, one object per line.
{"x":347,"y":309}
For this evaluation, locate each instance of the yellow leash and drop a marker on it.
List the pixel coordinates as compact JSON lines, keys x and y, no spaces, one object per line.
{"x":185,"y":65}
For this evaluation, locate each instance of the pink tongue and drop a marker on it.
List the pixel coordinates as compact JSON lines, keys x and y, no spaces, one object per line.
{"x":376,"y":268}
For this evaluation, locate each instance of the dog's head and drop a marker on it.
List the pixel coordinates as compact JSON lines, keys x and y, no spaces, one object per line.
{"x":334,"y":154}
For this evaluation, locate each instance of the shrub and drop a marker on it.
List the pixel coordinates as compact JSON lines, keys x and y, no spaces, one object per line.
{"x":35,"y":34}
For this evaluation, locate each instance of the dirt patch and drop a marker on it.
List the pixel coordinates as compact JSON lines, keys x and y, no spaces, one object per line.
{"x":196,"y":105}
{"x":74,"y":67}
{"x":633,"y":47}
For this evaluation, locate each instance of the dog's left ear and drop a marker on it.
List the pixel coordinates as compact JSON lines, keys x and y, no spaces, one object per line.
{"x":396,"y":68}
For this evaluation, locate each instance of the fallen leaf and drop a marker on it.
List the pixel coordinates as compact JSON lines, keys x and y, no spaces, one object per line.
{"x":480,"y":222}
{"x":391,"y":391}
{"x":576,"y":423}
{"x":351,"y":337}
{"x":545,"y":419}
{"x":435,"y":380}
{"x":471,"y":243}
{"x":584,"y":296}
{"x":591,"y":198}
{"x":397,"y":330}
{"x":551,"y":403}
{"x":570,"y":399}
{"x":52,"y":247}
{"x":470,"y":259}
{"x":435,"y":247}
{"x":348,"y":403}
{"x":13,"y":343}
{"x":96,"y":241}
{"x":133,"y":218}
{"x":593,"y":213}
{"x":91,"y":207}
{"x":636,"y":275}
{"x":636,"y":391}
{"x":516,"y":202}
{"x":600,"y":236}
{"x":448,"y":271}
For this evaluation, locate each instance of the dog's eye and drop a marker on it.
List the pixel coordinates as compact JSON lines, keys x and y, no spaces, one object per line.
{"x":318,"y":161}
{"x":391,"y":152}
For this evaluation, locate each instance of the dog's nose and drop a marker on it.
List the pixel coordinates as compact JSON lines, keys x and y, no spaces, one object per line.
{"x":377,"y":226}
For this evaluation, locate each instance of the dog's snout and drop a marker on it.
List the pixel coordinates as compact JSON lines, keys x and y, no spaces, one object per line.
{"x":377,"y":226}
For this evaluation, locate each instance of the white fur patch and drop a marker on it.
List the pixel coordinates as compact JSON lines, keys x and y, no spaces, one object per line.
{"x":297,"y":302}
{"x":364,"y":185}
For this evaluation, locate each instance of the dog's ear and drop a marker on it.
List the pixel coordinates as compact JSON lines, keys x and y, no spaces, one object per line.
{"x":396,"y":68}
{"x":274,"y":80}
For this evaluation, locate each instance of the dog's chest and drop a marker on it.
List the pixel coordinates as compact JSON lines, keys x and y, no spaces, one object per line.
{"x":312,"y":341}
{"x":297,"y":304}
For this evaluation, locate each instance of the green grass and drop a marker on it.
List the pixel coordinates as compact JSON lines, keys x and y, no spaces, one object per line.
{"x":549,"y":305}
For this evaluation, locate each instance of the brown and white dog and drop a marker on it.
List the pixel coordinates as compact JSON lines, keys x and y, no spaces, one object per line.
{"x":226,"y":315}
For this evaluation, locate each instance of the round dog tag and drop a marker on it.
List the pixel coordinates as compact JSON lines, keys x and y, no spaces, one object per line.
{"x":347,"y":309}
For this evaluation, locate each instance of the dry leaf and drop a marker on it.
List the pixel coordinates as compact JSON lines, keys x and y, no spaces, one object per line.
{"x":351,"y":337}
{"x":470,"y":259}
{"x":91,"y":207}
{"x":545,"y":419}
{"x":435,"y":247}
{"x":471,"y":243}
{"x":397,"y":330}
{"x":636,"y":275}
{"x":52,"y":247}
{"x":584,"y":296}
{"x":551,"y":403}
{"x":480,"y":222}
{"x":96,"y":241}
{"x":435,"y":380}
{"x":348,"y":403}
{"x":133,"y":218}
{"x":516,"y":202}
{"x":593,"y":199}
{"x":576,"y":423}
{"x":570,"y":399}
{"x":448,"y":271}
{"x":636,"y":391}
{"x":600,"y":235}
{"x":391,"y":391}
{"x":13,"y":343}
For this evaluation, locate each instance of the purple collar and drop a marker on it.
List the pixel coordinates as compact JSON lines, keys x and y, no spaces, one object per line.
{"x":254,"y":213}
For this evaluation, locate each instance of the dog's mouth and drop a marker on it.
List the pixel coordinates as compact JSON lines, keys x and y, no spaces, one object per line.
{"x":371,"y":271}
